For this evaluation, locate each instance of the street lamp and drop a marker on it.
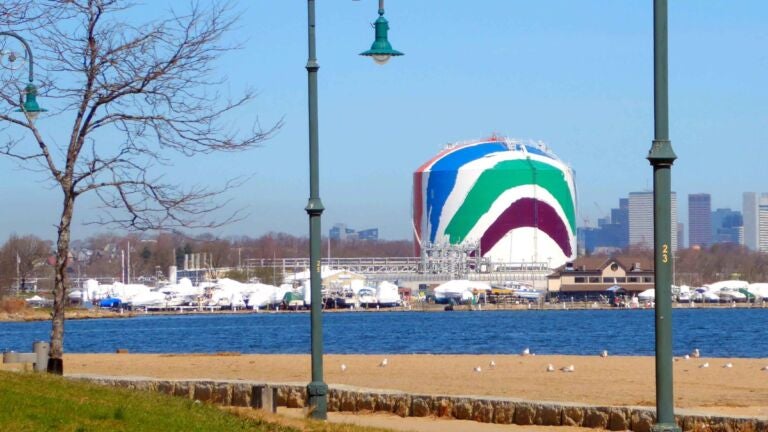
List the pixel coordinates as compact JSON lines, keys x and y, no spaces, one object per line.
{"x":30,"y":106}
{"x":381,"y":50}
{"x":317,"y":390}
{"x":661,"y":158}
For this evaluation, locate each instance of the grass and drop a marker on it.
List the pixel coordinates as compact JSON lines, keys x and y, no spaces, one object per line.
{"x":40,"y":402}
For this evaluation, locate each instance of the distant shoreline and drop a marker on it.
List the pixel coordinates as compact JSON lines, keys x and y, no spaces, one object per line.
{"x":29,"y":315}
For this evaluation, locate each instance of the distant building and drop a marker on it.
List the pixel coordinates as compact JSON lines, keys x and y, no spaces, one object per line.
{"x":749,"y":212}
{"x":699,"y":219}
{"x":680,"y":235}
{"x":727,"y":226}
{"x":755,"y":221}
{"x":612,"y":233}
{"x":368,"y":234}
{"x":340,"y":231}
{"x":620,"y":218}
{"x":641,"y":220}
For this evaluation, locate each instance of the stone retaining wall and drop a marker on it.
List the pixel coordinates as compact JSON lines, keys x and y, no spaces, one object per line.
{"x":481,"y":409}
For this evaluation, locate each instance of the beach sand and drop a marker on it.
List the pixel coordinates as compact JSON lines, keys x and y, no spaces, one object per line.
{"x":614,"y":380}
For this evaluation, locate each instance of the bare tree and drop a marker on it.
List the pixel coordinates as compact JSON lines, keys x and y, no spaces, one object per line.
{"x":135,"y":94}
{"x":21,"y":257}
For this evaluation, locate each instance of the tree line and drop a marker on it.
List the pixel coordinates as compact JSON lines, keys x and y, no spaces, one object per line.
{"x":105,"y":255}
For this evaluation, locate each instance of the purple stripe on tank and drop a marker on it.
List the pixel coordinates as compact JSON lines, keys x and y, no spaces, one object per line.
{"x":527,"y":212}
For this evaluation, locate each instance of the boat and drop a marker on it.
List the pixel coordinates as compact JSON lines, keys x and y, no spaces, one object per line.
{"x":151,"y":299}
{"x":528,"y":293}
{"x":759,"y":290}
{"x":110,"y":302}
{"x":293,"y":300}
{"x":704,"y":294}
{"x":731,"y":294}
{"x":387,"y":294}
{"x":459,"y":291}
{"x":684,"y":294}
{"x":367,"y":297}
{"x":647,"y":295}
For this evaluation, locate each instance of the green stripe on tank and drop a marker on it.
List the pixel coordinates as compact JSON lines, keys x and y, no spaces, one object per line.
{"x":502,"y":177}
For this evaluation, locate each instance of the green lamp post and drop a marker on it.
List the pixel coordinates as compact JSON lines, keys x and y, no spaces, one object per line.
{"x":381,"y":50}
{"x":661,"y":156}
{"x":30,"y":107}
{"x":317,"y":390}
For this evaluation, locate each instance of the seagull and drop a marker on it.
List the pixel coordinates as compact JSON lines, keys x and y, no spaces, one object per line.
{"x":695,"y":353}
{"x":728,"y":365}
{"x":764,"y":368}
{"x":383,"y":363}
{"x":551,"y":368}
{"x":568,"y":368}
{"x":478,"y":369}
{"x":492,"y":364}
{"x":705,"y":365}
{"x":686,"y":357}
{"x":343,"y":367}
{"x":525,"y":352}
{"x":604,"y":353}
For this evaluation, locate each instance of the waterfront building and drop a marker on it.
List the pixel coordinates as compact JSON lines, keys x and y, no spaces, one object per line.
{"x":641,"y":220}
{"x":591,"y":277}
{"x":699,"y":220}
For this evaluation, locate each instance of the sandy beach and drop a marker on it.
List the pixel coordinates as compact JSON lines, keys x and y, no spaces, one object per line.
{"x":739,"y":390}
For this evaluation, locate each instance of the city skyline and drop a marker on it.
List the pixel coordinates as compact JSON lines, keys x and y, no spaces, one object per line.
{"x":576,"y":76}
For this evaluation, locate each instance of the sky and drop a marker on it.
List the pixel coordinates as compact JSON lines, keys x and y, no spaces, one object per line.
{"x":575,"y":75}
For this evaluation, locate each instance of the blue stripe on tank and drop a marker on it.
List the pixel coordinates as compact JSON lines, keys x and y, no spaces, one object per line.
{"x":442,"y":177}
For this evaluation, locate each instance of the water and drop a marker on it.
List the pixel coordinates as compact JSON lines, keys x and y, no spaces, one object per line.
{"x":716,"y":332}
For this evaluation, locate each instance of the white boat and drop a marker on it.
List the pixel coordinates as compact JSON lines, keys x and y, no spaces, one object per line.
{"x":528,"y":293}
{"x":703,"y":294}
{"x":367,"y":297}
{"x":736,"y":284}
{"x":150,"y":299}
{"x":647,"y":295}
{"x":759,"y":290}
{"x":729,"y":294}
{"x":459,"y":290}
{"x":684,"y":294}
{"x":387,"y":294}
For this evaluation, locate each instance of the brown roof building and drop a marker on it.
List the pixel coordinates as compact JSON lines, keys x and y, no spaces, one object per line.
{"x":595,"y":274}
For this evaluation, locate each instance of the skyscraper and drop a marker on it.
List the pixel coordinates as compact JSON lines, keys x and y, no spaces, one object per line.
{"x":762,"y":223}
{"x":756,"y":221}
{"x":699,"y":220}
{"x":749,"y":211}
{"x":727,"y":226}
{"x":641,"y":220}
{"x":620,"y":218}
{"x":680,"y":235}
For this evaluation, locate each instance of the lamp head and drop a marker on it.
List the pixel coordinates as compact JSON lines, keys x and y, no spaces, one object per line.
{"x":31,"y":107}
{"x":381,"y":50}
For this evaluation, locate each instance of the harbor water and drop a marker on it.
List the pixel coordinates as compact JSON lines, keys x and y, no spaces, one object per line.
{"x":716,"y":332}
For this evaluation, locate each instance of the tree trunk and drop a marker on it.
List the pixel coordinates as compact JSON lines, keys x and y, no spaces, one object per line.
{"x":56,"y":360}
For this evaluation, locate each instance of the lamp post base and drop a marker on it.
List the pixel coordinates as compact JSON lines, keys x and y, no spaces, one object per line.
{"x":317,"y":395}
{"x":665,"y":427}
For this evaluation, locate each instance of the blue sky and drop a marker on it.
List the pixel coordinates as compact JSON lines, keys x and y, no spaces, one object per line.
{"x":574,"y":74}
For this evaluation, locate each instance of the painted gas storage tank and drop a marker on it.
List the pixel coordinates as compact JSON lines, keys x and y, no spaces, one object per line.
{"x":518,"y":200}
